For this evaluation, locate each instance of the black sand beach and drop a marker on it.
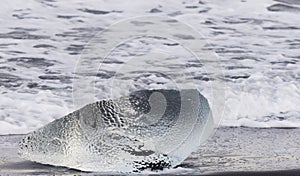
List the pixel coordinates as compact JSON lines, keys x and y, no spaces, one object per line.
{"x":231,"y":151}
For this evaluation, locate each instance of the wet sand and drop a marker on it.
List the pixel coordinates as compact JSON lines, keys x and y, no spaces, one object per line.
{"x":231,"y":151}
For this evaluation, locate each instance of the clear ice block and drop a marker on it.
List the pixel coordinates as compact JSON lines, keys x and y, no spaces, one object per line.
{"x":147,"y":130}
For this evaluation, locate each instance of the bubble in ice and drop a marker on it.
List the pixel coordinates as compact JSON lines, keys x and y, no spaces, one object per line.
{"x":146,"y":130}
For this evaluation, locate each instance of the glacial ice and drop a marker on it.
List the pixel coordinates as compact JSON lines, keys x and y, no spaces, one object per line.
{"x":147,"y":130}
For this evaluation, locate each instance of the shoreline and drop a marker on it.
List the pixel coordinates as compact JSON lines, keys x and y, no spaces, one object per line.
{"x":220,"y":127}
{"x":292,"y":172}
{"x":230,"y":151}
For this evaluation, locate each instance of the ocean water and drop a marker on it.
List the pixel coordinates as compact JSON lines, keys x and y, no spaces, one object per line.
{"x":256,"y":43}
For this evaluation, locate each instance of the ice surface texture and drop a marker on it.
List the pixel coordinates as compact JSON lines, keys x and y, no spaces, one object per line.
{"x":147,"y":130}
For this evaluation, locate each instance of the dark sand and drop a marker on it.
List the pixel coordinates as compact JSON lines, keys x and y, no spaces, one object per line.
{"x":231,"y":151}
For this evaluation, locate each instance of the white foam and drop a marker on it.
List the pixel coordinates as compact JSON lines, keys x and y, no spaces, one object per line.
{"x":270,"y":97}
{"x":30,"y":112}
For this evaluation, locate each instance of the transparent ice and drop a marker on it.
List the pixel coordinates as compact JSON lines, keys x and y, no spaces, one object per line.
{"x":147,"y":130}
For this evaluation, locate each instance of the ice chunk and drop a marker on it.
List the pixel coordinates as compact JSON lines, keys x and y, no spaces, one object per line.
{"x":149,"y":129}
